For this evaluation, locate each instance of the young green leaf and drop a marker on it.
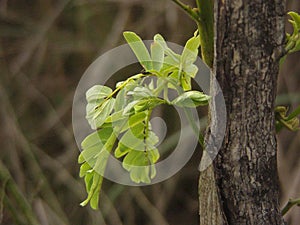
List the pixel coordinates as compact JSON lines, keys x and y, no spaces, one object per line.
{"x":94,"y":190}
{"x":93,"y":144}
{"x":84,"y":168}
{"x":139,"y":49}
{"x":130,"y":106}
{"x":157,"y":55}
{"x":97,"y":92}
{"x":161,"y":41}
{"x":185,"y":81}
{"x":120,"y":100}
{"x":191,"y":99}
{"x":140,"y":165}
{"x":190,"y":51}
{"x":97,"y":116}
{"x":296,"y":19}
{"x":140,"y":92}
{"x":290,"y":122}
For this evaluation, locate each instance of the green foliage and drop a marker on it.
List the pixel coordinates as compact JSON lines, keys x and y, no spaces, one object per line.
{"x":291,"y":122}
{"x":293,"y":39}
{"x":126,"y":112}
{"x":191,"y":99}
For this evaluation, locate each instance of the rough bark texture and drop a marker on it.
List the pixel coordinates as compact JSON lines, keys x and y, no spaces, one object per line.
{"x":241,"y":187}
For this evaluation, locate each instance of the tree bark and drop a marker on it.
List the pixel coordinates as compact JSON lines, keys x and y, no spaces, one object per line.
{"x":241,"y":186}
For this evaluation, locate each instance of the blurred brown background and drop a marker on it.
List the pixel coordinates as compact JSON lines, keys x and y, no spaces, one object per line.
{"x":45,"y":47}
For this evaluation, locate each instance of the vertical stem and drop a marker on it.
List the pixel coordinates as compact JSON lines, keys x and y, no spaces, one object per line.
{"x":206,"y":30}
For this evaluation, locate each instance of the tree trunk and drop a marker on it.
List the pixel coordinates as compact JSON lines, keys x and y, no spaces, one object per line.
{"x":241,"y":186}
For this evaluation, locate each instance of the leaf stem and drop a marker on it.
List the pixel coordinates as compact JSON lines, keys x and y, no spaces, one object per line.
{"x":137,"y":76}
{"x":289,"y":205}
{"x":146,"y":133}
{"x":189,"y":117}
{"x":295,"y":113}
{"x":188,"y":9}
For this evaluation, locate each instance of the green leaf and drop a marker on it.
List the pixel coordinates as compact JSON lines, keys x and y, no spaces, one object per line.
{"x":116,"y":116}
{"x":93,"y":144}
{"x":161,"y":41}
{"x":296,"y":47}
{"x":141,"y":92}
{"x":137,"y":147}
{"x":93,"y":194}
{"x":139,"y":49}
{"x":134,"y":138}
{"x":295,"y":113}
{"x":290,"y":122}
{"x":134,"y":120}
{"x":84,"y":168}
{"x":97,"y":116}
{"x":191,"y":99}
{"x":97,"y":92}
{"x":88,"y":179}
{"x":120,"y":100}
{"x":101,"y":159}
{"x":170,"y":66}
{"x":94,"y":202}
{"x":190,"y":51}
{"x":121,"y":150}
{"x":140,"y":165}
{"x":296,"y":18}
{"x":96,"y":149}
{"x":130,"y":106}
{"x":293,"y":40}
{"x":157,"y":55}
{"x":153,"y":155}
{"x":96,"y":138}
{"x":137,"y":119}
{"x":185,"y":81}
{"x":148,"y":103}
{"x":191,"y":70}
{"x":81,"y":159}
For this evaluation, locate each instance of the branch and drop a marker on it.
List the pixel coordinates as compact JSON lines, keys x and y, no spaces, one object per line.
{"x":289,"y":205}
{"x":188,"y":10}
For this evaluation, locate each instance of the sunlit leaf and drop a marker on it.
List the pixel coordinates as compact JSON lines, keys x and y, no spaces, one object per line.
{"x":161,"y":41}
{"x":185,"y":81}
{"x":190,"y":51}
{"x":157,"y":55}
{"x":97,"y":92}
{"x":296,"y":18}
{"x":139,"y":49}
{"x":97,"y":116}
{"x":191,"y":99}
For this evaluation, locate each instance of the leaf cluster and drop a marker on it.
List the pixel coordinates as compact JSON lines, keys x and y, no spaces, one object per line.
{"x":291,"y":121}
{"x":292,"y":40}
{"x":121,"y":117}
